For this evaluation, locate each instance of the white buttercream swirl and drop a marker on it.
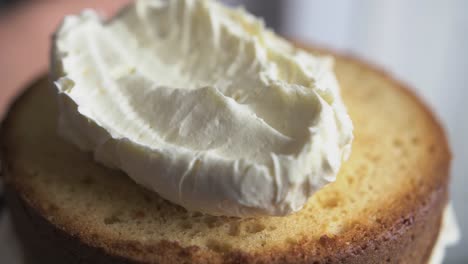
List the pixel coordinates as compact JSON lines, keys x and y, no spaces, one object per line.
{"x":201,"y":104}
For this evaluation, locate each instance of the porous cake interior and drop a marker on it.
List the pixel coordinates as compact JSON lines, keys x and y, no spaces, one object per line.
{"x":391,"y":154}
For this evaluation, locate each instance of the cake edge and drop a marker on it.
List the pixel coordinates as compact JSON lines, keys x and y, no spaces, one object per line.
{"x":401,"y":230}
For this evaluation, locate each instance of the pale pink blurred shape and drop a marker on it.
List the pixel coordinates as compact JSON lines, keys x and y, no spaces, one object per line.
{"x":25,"y":33}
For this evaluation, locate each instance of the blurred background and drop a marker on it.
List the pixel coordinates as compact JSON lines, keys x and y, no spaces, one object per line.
{"x":421,"y":42}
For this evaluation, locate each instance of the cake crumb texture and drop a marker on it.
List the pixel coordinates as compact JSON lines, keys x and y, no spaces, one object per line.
{"x":385,"y":206}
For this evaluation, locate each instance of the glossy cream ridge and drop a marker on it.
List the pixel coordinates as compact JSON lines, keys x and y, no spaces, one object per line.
{"x":201,"y":104}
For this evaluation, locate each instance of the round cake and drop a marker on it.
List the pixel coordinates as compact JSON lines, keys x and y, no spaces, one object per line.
{"x":386,"y":205}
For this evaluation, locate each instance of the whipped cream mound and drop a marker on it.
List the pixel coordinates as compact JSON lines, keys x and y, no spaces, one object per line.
{"x":202,"y":105}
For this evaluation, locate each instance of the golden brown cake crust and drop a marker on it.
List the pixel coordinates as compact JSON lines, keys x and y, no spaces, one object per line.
{"x":410,"y":240}
{"x":406,"y":235}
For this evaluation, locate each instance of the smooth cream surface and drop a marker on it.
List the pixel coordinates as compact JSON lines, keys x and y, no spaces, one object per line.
{"x":201,"y":104}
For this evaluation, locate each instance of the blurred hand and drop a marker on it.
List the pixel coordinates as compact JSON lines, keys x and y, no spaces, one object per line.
{"x":25,"y":32}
